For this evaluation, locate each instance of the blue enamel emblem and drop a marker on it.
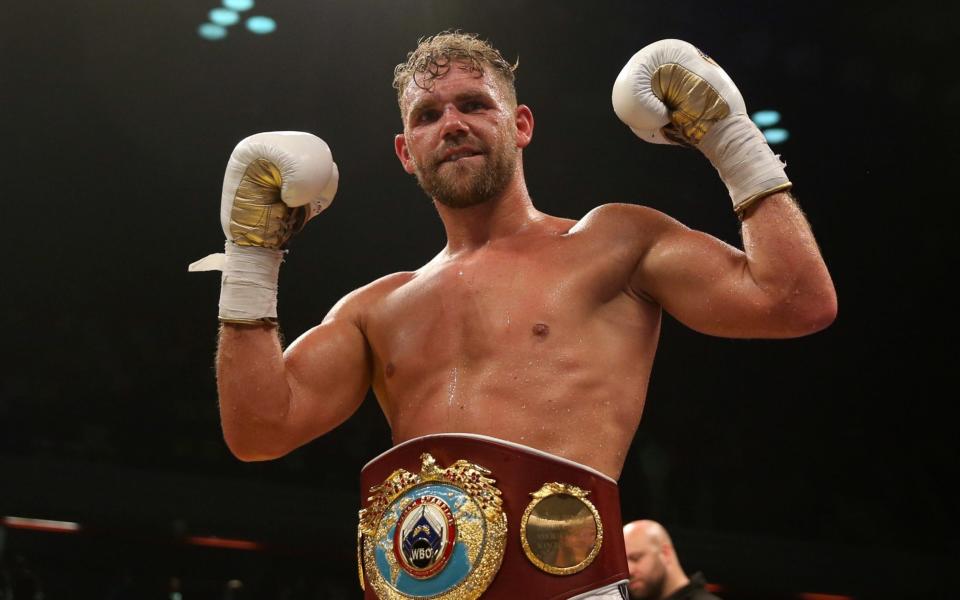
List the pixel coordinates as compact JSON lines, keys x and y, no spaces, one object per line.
{"x":422,"y":537}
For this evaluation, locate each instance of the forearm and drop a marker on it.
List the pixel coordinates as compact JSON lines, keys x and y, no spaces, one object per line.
{"x":274,"y":183}
{"x":255,"y":396}
{"x":670,"y":92}
{"x":784,"y":262}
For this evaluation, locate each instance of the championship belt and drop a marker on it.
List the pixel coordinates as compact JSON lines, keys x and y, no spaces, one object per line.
{"x":463,"y":516}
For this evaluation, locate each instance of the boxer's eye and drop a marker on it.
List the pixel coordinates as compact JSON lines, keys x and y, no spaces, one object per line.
{"x":472,"y":106}
{"x":427,"y":116}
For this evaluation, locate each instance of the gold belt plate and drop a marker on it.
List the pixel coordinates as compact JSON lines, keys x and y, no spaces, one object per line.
{"x":439,"y":534}
{"x":561,"y":531}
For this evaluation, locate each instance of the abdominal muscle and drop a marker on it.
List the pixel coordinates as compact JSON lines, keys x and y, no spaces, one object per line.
{"x":571,"y":398}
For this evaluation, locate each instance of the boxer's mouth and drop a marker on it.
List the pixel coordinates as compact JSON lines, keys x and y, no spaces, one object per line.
{"x":456,"y":154}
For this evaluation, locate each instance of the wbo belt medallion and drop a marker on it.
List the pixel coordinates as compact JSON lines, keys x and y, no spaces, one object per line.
{"x":424,"y":536}
{"x":438,"y":534}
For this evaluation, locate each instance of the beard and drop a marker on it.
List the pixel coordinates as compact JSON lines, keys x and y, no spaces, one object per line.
{"x":653,"y":589}
{"x":460,"y":185}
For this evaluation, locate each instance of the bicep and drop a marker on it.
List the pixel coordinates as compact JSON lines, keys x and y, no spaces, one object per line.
{"x":328,"y":370}
{"x":703,"y":282}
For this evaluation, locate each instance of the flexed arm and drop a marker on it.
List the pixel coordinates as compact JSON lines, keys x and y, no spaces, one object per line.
{"x":269,"y":403}
{"x":272,"y":401}
{"x":778,"y":285}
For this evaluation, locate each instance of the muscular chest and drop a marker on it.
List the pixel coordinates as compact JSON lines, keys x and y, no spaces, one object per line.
{"x":475,"y":308}
{"x":498,"y":310}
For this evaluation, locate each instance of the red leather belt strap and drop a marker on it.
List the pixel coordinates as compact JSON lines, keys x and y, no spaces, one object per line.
{"x":518,"y":470}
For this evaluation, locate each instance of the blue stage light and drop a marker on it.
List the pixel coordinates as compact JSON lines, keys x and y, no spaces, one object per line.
{"x":238,"y":5}
{"x":766,"y":118}
{"x":261,"y":25}
{"x":210,"y":31}
{"x":776,"y":135}
{"x":224,"y":17}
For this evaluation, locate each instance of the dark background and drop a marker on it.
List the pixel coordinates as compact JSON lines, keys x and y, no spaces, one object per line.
{"x":822,"y":464}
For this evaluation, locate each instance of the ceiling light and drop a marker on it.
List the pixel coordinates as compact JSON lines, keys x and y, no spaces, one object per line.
{"x":261,"y":25}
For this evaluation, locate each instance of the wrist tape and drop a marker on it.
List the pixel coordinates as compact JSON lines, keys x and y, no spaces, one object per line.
{"x":248,"y":286}
{"x":748,"y":167}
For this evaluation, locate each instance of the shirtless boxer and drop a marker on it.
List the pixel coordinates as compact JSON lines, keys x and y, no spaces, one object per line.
{"x":535,"y":331}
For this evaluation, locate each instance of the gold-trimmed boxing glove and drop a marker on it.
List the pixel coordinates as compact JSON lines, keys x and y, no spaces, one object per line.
{"x":274,"y":183}
{"x":671,"y":93}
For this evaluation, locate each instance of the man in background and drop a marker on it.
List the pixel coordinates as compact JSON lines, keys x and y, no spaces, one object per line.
{"x":655,"y":571}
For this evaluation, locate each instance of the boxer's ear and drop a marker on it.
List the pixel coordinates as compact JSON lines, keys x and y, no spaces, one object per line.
{"x":523,"y":118}
{"x":400,"y":147}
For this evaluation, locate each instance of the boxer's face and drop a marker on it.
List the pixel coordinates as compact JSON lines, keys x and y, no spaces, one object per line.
{"x":460,"y":137}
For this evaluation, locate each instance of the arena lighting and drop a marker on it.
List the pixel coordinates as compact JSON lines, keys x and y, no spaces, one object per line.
{"x":40,"y":524}
{"x":776,"y":135}
{"x":766,"y":118}
{"x":223,"y":17}
{"x":261,"y":25}
{"x":219,"y":542}
{"x":211,"y":31}
{"x":238,"y":5}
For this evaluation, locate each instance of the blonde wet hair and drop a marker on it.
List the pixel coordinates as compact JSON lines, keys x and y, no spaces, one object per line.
{"x":434,"y":57}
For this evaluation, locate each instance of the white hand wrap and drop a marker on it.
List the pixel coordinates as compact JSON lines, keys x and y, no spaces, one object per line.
{"x":746,"y":164}
{"x":248,"y":287}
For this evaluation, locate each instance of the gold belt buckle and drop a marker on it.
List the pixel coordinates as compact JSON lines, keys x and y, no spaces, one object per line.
{"x":438,"y":534}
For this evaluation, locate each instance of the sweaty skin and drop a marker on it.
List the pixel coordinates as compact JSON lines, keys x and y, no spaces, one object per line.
{"x":527,"y":339}
{"x":525,"y":327}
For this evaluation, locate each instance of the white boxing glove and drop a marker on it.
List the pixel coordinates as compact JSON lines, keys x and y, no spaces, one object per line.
{"x":671,"y":93}
{"x":274,"y":183}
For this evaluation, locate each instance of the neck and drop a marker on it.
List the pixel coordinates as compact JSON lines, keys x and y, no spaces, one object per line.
{"x":675,"y":580}
{"x":504,"y":215}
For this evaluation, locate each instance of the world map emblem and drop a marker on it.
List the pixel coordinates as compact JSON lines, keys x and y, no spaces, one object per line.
{"x":439,"y":534}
